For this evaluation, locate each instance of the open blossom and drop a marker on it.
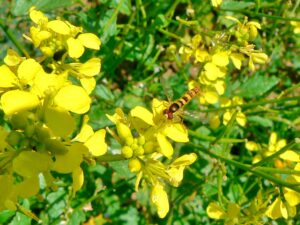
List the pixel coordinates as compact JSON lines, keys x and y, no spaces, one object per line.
{"x":144,"y":137}
{"x":55,"y":36}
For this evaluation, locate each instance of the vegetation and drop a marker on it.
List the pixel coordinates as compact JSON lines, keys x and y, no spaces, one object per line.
{"x":149,"y":112}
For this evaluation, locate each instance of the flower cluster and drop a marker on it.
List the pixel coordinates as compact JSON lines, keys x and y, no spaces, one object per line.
{"x":213,"y":55}
{"x":38,"y":99}
{"x":144,"y":137}
{"x":273,"y":146}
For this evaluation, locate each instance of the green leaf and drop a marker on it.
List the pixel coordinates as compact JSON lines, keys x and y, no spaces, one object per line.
{"x":20,"y":218}
{"x":125,"y":7}
{"x":57,"y":203}
{"x":261,"y":121}
{"x":104,"y":93}
{"x":161,"y":21}
{"x":210,"y":189}
{"x":121,"y":167}
{"x":108,"y":25}
{"x":6,"y":215}
{"x":257,"y":85}
{"x":77,"y":217}
{"x":236,"y":5}
{"x":21,"y":7}
{"x":131,"y":216}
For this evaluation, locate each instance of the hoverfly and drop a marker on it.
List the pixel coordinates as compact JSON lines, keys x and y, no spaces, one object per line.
{"x":180,"y":103}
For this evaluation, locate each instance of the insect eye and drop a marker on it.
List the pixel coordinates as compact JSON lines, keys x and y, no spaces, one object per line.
{"x":174,"y":107}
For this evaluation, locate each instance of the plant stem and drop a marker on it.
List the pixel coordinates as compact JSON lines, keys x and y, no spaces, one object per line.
{"x":13,"y":39}
{"x":255,"y":170}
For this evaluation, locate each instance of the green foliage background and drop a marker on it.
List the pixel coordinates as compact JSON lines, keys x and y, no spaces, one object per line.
{"x":135,"y":36}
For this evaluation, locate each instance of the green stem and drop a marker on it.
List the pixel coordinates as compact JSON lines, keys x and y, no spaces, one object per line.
{"x":13,"y":39}
{"x":249,"y":168}
{"x":255,"y":14}
{"x":114,"y":15}
{"x":170,"y":34}
{"x":251,"y":105}
{"x":276,"y":154}
{"x":110,"y":158}
{"x":212,"y":138}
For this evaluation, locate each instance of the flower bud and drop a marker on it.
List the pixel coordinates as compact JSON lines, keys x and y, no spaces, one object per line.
{"x":139,"y":151}
{"x":260,"y":58}
{"x":141,"y":140}
{"x":14,"y":138}
{"x":127,"y":152}
{"x":19,"y":120}
{"x":43,"y":133}
{"x":252,"y":33}
{"x":134,"y":165}
{"x":29,"y":130}
{"x":56,"y":146}
{"x":123,"y":131}
{"x":148,"y":147}
{"x":129,"y":141}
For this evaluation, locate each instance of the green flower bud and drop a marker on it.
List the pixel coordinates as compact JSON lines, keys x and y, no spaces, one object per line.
{"x":56,"y":146}
{"x":134,"y":165}
{"x":29,"y":130}
{"x":42,"y":133}
{"x":20,"y":120}
{"x":24,"y":143}
{"x":14,"y":137}
{"x":127,"y":152}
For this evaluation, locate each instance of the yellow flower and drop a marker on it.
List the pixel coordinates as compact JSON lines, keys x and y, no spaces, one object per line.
{"x":175,"y":169}
{"x":296,"y":25}
{"x":57,"y":35}
{"x":275,"y":145}
{"x":94,"y":141}
{"x":156,"y":126}
{"x":159,"y":198}
{"x":231,"y":215}
{"x":279,"y":209}
{"x":216,"y":3}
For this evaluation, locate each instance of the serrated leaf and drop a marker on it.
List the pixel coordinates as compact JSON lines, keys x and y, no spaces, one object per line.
{"x":210,"y":189}
{"x":257,"y":85}
{"x":104,"y":93}
{"x":77,"y":217}
{"x":108,"y":25}
{"x":124,"y":8}
{"x":264,"y":122}
{"x":21,"y":7}
{"x":121,"y":167}
{"x":236,"y":5}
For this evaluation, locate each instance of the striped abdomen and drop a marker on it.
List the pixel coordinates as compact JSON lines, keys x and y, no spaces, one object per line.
{"x":185,"y":99}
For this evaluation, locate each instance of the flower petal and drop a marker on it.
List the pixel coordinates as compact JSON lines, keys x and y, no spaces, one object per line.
{"x":160,"y":199}
{"x":96,"y":143}
{"x":143,"y":114}
{"x":73,"y":98}
{"x":75,"y":48}
{"x":59,"y":27}
{"x":165,"y":146}
{"x":16,"y":101}
{"x":176,"y":132}
{"x":90,"y":40}
{"x":7,"y":77}
{"x":214,"y":211}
